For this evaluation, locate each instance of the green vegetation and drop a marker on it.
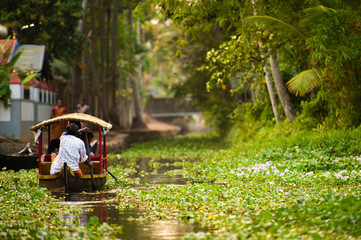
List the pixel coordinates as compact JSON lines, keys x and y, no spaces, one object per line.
{"x":29,"y":212}
{"x":279,"y":183}
{"x":258,"y":46}
{"x":269,"y":183}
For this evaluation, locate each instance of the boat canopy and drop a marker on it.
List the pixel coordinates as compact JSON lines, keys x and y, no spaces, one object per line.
{"x":81,"y":117}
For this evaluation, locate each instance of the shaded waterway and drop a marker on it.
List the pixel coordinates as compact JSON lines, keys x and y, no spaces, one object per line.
{"x":103,"y":204}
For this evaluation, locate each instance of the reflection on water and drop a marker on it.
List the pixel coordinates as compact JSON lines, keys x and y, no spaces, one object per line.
{"x":155,"y":175}
{"x":103,"y":205}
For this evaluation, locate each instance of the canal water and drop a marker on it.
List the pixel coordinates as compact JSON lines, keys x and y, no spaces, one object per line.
{"x":103,"y":204}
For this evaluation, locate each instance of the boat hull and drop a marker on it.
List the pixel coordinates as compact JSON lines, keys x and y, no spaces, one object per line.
{"x":73,"y":184}
{"x":16,"y":162}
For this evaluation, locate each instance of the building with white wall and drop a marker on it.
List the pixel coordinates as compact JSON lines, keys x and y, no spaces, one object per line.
{"x":30,"y":103}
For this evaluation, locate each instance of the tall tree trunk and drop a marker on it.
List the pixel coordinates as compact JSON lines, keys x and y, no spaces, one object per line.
{"x":114,"y":114}
{"x":270,"y":88}
{"x":271,"y":92}
{"x":81,"y":26}
{"x":83,"y":55}
{"x":77,"y":81}
{"x":138,"y":121}
{"x":103,"y":61}
{"x":95,"y":66}
{"x":281,"y":89}
{"x":122,"y":99}
{"x":140,"y":65}
{"x":86,"y":83}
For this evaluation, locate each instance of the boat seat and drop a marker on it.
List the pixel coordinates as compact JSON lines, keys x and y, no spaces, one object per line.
{"x":47,"y":157}
{"x":45,"y":168}
{"x":95,"y":158}
{"x":86,"y":169}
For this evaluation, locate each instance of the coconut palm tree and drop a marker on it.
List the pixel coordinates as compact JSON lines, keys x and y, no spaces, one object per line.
{"x":307,"y":80}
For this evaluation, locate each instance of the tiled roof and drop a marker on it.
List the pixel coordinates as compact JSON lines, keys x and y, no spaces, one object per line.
{"x":32,"y":57}
{"x":14,"y":79}
{"x":11,"y":43}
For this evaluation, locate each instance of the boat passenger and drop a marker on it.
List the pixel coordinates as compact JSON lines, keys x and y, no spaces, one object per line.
{"x":57,"y":128}
{"x":72,"y":149}
{"x":81,"y":134}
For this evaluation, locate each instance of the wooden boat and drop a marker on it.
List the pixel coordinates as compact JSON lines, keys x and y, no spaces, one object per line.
{"x":92,"y":179}
{"x":13,"y":156}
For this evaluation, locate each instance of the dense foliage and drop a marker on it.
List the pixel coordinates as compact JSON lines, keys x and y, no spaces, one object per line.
{"x":265,"y":183}
{"x":277,"y":183}
{"x":29,"y":212}
{"x":52,"y":23}
{"x":315,"y":43}
{"x":6,"y":73}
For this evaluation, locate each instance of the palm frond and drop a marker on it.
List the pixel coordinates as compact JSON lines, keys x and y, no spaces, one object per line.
{"x":304,"y":82}
{"x":14,"y":59}
{"x":62,"y":66}
{"x":314,"y":15}
{"x":28,"y":78}
{"x":274,"y":23}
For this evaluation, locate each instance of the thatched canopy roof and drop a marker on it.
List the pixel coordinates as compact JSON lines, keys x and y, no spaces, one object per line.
{"x":81,"y":117}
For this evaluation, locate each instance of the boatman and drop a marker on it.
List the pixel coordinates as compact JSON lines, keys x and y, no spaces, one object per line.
{"x":71,"y":151}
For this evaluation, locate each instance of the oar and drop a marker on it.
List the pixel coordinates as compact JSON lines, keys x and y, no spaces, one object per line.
{"x":66,"y":180}
{"x":91,"y":169}
{"x":115,"y":178}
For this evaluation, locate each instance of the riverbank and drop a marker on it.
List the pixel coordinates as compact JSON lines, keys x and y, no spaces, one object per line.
{"x":299,"y":185}
{"x":119,"y":139}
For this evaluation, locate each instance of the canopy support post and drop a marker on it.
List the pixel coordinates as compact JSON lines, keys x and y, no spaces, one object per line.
{"x":105,"y":153}
{"x":100,"y":150}
{"x":40,"y":150}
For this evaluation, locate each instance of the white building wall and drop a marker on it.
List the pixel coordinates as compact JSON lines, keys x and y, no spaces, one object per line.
{"x":16,"y":91}
{"x":47,"y":96}
{"x":36,"y":94}
{"x":27,"y":111}
{"x":43,"y":111}
{"x":5,"y":113}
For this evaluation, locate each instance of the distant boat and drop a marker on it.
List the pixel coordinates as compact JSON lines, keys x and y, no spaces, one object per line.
{"x":12,"y":159}
{"x":93,"y":178}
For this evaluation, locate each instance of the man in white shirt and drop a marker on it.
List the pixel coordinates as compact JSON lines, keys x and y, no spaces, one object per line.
{"x":72,"y":149}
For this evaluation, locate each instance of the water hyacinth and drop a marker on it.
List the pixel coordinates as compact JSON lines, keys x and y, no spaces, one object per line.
{"x":267,"y":169}
{"x":263,"y":168}
{"x":240,"y":174}
{"x":255,"y":202}
{"x":338,"y":176}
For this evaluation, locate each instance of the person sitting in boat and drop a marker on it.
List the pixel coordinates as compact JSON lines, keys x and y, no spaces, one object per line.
{"x":82,"y":132}
{"x":57,"y":128}
{"x":72,"y":149}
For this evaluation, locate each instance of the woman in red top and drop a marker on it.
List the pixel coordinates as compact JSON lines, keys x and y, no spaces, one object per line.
{"x":57,"y":128}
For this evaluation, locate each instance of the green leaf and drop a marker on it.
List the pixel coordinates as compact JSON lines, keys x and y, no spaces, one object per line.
{"x":28,"y":78}
{"x":304,"y":82}
{"x":13,"y":60}
{"x":274,"y":23}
